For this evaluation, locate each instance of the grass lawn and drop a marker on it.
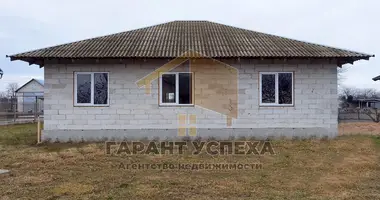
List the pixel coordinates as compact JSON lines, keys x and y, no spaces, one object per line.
{"x":347,"y":167}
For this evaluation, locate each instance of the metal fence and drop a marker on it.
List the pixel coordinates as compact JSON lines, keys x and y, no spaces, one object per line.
{"x":358,"y":114}
{"x":27,"y":109}
{"x":20,"y":109}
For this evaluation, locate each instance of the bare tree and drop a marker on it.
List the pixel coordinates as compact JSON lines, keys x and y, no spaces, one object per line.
{"x":11,"y":89}
{"x":367,"y":93}
{"x":3,"y":95}
{"x":373,"y":114}
{"x":364,"y":93}
{"x":349,"y":91}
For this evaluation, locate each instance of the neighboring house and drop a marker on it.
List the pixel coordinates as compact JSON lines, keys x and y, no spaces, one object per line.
{"x":222,"y":80}
{"x":362,"y":103}
{"x":30,"y":96}
{"x":369,"y":103}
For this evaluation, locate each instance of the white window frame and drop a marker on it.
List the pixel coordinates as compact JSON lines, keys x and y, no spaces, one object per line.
{"x":92,"y":89}
{"x":276,"y":103}
{"x":176,"y":89}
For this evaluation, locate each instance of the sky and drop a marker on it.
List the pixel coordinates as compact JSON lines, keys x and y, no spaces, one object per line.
{"x":348,"y":24}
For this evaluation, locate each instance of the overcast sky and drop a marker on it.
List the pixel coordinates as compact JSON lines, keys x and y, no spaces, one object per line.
{"x":349,"y":24}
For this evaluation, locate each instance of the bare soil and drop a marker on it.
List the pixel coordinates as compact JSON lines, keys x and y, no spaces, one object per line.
{"x":364,"y":128}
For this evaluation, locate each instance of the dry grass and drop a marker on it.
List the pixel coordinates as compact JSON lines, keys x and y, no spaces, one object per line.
{"x":366,"y":128}
{"x":18,"y":134}
{"x":344,"y":168}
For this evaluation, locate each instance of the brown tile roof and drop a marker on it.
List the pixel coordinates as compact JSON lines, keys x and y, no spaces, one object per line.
{"x":169,"y":40}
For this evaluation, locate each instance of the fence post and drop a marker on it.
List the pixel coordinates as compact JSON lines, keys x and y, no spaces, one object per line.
{"x":358,"y":114}
{"x":14,"y":106}
{"x":38,"y":130}
{"x":35,"y":109}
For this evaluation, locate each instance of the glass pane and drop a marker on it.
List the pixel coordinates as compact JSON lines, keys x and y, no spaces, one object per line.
{"x":83,"y":88}
{"x":285,"y":88}
{"x":100,"y":88}
{"x":185,"y":88}
{"x":268,"y":88}
{"x":168,"y":88}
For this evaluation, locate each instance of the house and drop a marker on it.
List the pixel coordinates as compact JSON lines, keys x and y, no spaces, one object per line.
{"x":361,"y":103}
{"x":30,"y":96}
{"x":194,"y":78}
{"x":369,"y":103}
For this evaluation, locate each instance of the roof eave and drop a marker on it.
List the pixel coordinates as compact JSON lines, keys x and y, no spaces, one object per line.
{"x":41,"y":60}
{"x":31,"y":60}
{"x":352,"y":59}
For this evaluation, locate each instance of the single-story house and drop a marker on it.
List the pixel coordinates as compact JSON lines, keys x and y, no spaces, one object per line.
{"x":194,"y":78}
{"x":363,"y":103}
{"x":369,"y":103}
{"x":30,"y":96}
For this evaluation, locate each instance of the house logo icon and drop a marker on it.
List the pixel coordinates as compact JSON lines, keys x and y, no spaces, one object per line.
{"x":213,"y":86}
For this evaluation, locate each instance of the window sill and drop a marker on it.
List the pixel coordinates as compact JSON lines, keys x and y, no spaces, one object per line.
{"x":176,"y":105}
{"x":275,"y":105}
{"x":95,"y":106}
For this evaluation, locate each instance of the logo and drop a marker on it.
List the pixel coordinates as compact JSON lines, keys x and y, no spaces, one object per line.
{"x":195,"y":147}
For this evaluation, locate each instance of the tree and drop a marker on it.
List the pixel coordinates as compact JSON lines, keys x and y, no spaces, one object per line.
{"x":3,"y":97}
{"x":348,"y":91}
{"x":11,"y":89}
{"x":368,"y":93}
{"x":358,"y":93}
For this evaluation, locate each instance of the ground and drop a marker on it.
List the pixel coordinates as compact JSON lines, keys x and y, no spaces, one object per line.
{"x":347,"y":167}
{"x":368,"y":128}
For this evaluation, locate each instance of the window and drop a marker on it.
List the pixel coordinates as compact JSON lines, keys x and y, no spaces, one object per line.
{"x":91,"y":89}
{"x":276,"y":88}
{"x":176,"y":88}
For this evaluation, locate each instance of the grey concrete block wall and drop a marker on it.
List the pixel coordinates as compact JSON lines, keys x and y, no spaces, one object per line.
{"x":315,"y":101}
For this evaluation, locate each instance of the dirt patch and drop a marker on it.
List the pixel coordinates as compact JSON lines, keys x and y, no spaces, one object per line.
{"x":72,"y":189}
{"x":365,"y":128}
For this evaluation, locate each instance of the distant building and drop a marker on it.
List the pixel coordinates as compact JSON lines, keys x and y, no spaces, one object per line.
{"x":369,"y":103}
{"x":30,"y":96}
{"x":361,"y":103}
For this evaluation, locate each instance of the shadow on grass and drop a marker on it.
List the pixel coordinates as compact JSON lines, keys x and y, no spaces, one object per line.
{"x":57,"y":147}
{"x":26,"y":134}
{"x":18,"y":134}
